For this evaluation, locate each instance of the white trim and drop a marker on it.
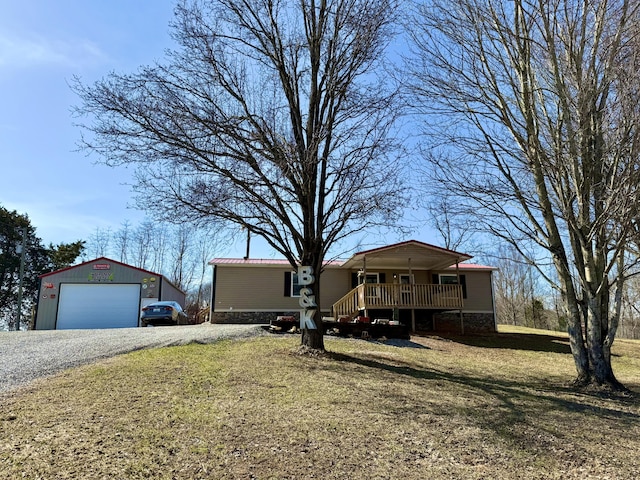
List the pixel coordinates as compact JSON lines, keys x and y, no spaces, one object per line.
{"x":405,"y":288}
{"x":370,"y":274}
{"x":291,"y":294}
{"x":361,"y":274}
{"x":493,"y":302}
{"x":455,"y":277}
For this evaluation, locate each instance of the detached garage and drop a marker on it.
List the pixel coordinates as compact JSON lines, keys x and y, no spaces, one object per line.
{"x":101,"y":293}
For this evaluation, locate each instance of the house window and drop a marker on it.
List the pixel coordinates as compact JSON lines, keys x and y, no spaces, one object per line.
{"x":371,"y":278}
{"x":444,"y":279}
{"x":448,"y":280}
{"x":291,"y":286}
{"x":295,"y":286}
{"x":406,"y":279}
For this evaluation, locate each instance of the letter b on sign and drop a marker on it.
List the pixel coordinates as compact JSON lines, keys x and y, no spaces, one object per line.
{"x":305,"y":275}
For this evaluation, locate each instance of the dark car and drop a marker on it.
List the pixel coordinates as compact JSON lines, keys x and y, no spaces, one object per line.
{"x":163,"y":313}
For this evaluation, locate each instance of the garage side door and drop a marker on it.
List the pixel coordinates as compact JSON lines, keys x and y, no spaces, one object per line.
{"x":98,"y":305}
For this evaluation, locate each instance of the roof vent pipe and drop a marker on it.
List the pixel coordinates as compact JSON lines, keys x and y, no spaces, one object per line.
{"x":246,"y":257}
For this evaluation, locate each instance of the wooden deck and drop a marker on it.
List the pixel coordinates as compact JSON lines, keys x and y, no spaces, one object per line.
{"x":373,"y":296}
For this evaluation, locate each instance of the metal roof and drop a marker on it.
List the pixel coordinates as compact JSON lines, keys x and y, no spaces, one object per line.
{"x":110,"y":260}
{"x":399,"y":255}
{"x":101,"y":259}
{"x":472,"y":266}
{"x":266,"y":262}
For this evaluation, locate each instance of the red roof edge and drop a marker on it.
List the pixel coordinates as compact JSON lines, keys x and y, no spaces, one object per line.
{"x":101,"y":259}
{"x":471,"y":266}
{"x":260,"y":261}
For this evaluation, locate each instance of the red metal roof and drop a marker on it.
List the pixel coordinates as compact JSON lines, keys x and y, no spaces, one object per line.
{"x":261,"y":261}
{"x":472,"y":266}
{"x":252,"y":261}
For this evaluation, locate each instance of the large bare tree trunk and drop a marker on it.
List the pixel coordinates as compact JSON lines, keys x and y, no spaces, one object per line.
{"x":598,"y":343}
{"x":272,"y":116}
{"x":314,"y":338}
{"x":537,"y":118}
{"x":574,"y":326}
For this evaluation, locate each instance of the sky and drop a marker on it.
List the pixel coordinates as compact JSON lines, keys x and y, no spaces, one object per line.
{"x":43,"y":45}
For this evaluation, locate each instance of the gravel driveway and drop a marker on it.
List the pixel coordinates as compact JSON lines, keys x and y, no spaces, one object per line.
{"x":25,"y":356}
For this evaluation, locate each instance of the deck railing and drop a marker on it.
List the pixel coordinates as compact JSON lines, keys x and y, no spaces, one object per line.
{"x":394,"y":295}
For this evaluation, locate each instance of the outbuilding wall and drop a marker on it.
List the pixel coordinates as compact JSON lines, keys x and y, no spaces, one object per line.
{"x":168,"y":291}
{"x":95,"y":272}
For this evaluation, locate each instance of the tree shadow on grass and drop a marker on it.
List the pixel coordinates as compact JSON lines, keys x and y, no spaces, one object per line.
{"x":512,"y":341}
{"x":399,"y":342}
{"x":514,"y":405}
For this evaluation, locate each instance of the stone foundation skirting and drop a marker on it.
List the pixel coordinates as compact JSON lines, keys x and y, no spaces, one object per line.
{"x":473,"y":322}
{"x":440,"y":322}
{"x":249,"y":317}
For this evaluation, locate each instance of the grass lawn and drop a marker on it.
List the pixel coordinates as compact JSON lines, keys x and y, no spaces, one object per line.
{"x":485,"y":407}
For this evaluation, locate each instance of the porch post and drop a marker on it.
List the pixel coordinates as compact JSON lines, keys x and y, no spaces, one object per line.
{"x":459,"y":287}
{"x":364,"y":284}
{"x":412,"y":289}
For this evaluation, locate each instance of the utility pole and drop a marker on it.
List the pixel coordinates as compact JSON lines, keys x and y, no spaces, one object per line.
{"x":22,"y":248}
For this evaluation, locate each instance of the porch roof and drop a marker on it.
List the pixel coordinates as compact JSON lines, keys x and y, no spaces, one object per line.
{"x":399,"y":255}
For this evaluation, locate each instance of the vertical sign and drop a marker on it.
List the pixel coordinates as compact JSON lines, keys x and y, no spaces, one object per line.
{"x":307,"y":298}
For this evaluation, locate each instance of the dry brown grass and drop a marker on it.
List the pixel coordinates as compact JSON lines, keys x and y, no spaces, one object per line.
{"x":472,"y":407}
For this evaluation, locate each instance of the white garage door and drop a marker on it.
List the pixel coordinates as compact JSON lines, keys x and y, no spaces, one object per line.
{"x":98,"y":306}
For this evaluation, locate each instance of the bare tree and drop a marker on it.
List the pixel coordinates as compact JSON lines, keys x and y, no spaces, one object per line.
{"x":183,"y":257}
{"x":140,"y":244}
{"x":121,"y":241}
{"x":630,"y":313}
{"x":161,"y":236}
{"x":510,"y":284}
{"x":269,"y":115}
{"x":455,"y":227}
{"x":203,"y":247}
{"x":209,"y":242}
{"x":535,"y":107}
{"x":99,"y":243}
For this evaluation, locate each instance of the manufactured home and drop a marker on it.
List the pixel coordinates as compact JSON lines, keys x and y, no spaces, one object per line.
{"x":422,"y":286}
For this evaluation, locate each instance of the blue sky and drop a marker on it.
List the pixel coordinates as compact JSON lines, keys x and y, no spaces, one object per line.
{"x":43,"y":44}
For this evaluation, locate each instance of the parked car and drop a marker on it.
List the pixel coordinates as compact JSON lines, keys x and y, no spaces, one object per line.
{"x":163,"y":313}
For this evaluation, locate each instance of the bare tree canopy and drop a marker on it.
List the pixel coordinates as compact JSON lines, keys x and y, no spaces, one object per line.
{"x":274,"y":116}
{"x":533,"y":116}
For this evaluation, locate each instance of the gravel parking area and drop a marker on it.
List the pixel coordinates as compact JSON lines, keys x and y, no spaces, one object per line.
{"x":25,"y":356}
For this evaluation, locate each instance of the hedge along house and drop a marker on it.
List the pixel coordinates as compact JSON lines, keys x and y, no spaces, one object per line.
{"x":424,"y":286}
{"x":100,"y":293}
